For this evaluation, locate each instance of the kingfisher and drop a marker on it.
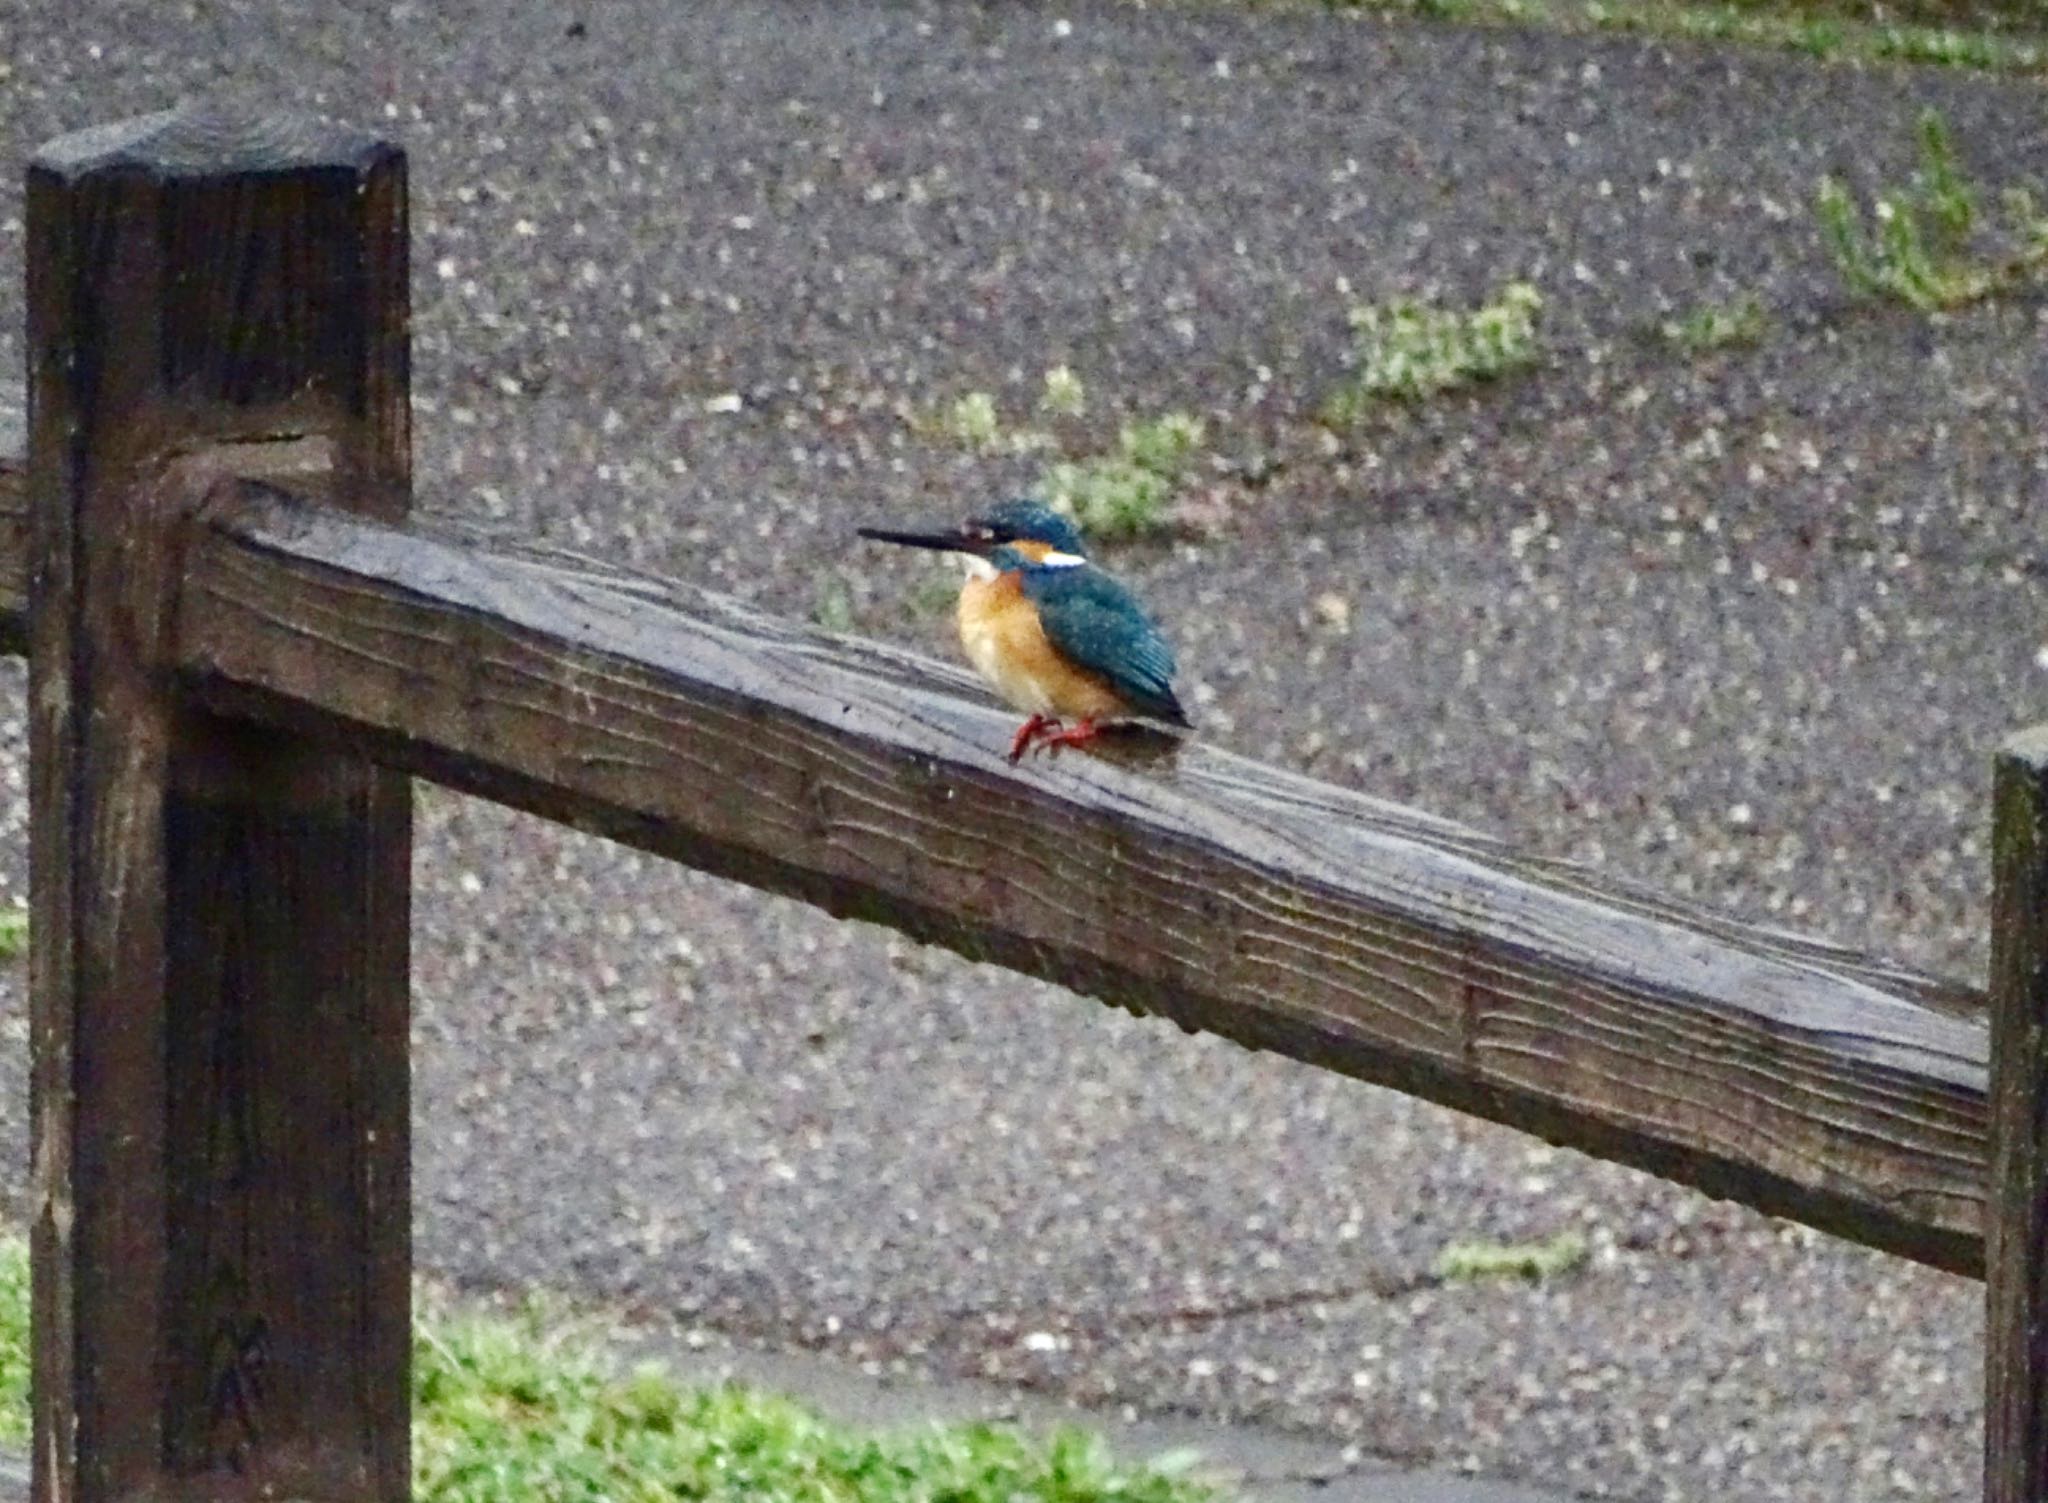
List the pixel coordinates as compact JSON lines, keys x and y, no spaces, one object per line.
{"x":1054,"y":635}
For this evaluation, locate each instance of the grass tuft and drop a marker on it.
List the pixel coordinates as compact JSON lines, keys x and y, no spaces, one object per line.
{"x":1719,"y":326}
{"x":1469,"y":1262}
{"x":1129,"y":492}
{"x":931,"y":595}
{"x":832,"y":605}
{"x":1124,"y":493}
{"x":1915,"y":245}
{"x":1062,"y":395}
{"x":14,"y":1347}
{"x":971,"y":422}
{"x":1852,"y":35}
{"x":1407,"y":351}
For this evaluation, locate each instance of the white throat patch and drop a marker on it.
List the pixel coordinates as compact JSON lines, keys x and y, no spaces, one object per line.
{"x":980,"y":568}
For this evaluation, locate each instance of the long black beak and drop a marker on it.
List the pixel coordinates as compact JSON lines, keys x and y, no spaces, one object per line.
{"x":944,"y":542}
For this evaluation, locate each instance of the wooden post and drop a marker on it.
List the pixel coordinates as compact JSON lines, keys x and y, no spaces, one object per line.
{"x":2016,"y":1209}
{"x":219,"y":944}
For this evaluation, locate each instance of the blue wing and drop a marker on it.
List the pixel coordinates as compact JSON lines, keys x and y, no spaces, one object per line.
{"x":1097,"y":624}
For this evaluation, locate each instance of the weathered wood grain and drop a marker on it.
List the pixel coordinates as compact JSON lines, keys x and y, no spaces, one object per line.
{"x":218,"y":967}
{"x":2016,"y":1244}
{"x":1282,"y":913}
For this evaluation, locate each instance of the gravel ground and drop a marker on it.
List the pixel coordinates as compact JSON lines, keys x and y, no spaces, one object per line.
{"x":1746,"y":624}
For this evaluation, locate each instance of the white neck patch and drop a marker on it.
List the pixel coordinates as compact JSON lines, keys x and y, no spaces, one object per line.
{"x":1058,"y":560}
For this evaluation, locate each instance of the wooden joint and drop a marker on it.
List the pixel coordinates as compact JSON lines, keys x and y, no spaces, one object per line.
{"x":173,"y":496}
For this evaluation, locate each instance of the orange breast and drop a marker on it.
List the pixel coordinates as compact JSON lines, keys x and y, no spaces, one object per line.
{"x":1000,"y":634}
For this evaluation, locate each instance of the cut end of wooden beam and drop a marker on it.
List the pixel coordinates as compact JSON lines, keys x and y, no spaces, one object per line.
{"x":210,"y":139}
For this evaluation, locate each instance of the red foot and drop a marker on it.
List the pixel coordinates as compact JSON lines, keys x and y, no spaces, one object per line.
{"x":1032,"y":729}
{"x":1078,"y":734}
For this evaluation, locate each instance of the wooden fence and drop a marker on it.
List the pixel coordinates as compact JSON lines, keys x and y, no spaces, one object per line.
{"x":241,"y":652}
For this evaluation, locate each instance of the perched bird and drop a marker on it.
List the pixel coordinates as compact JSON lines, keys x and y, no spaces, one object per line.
{"x":1055,"y":636}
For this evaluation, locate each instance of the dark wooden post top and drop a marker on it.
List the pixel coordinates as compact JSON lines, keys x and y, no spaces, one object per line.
{"x":239,"y":276}
{"x":218,"y":958}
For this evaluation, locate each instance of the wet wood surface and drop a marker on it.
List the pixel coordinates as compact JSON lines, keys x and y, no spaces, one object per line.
{"x":1371,"y":939}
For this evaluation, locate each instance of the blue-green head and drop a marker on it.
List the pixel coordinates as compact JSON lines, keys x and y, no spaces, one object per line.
{"x":1027,"y":521}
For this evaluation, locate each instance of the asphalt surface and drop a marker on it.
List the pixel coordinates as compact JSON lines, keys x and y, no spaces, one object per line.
{"x":1746,"y":624}
{"x":1256,"y":1463}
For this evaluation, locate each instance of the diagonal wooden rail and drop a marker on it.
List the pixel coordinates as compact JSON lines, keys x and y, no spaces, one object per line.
{"x":1379,"y":941}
